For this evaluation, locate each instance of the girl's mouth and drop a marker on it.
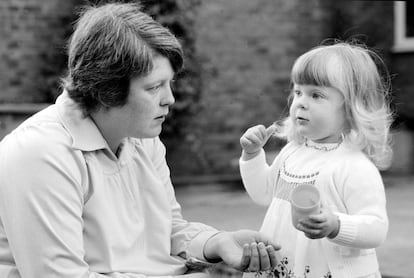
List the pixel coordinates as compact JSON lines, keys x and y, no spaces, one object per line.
{"x":301,"y":120}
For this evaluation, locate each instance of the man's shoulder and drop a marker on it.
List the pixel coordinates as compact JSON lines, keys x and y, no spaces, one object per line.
{"x":40,"y":133}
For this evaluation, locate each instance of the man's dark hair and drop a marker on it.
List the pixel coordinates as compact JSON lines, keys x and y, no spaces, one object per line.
{"x":110,"y":45}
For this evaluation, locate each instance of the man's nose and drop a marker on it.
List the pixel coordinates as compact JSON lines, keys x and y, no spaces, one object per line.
{"x":168,"y":98}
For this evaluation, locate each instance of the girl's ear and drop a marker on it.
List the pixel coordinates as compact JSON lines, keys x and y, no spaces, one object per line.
{"x":347,"y":125}
{"x":348,"y":118}
{"x":343,"y":136}
{"x":290,"y":98}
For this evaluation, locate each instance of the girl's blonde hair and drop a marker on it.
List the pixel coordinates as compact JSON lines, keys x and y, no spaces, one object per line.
{"x":352,"y":69}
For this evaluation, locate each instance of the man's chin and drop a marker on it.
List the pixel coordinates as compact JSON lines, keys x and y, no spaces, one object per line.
{"x":154,"y":133}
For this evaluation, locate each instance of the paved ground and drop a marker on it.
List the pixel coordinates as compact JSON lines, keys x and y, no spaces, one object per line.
{"x":227,"y":207}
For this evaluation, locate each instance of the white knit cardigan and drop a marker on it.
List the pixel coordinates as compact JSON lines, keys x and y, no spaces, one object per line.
{"x":352,"y":187}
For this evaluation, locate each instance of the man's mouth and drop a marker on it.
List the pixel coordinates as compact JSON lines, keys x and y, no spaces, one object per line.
{"x":162,"y":117}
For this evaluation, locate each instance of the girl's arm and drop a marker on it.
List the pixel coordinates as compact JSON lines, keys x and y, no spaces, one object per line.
{"x":255,"y":175}
{"x":363,"y":216}
{"x":259,"y":178}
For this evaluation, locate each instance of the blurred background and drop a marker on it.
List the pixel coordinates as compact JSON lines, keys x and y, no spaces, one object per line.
{"x":238,"y":57}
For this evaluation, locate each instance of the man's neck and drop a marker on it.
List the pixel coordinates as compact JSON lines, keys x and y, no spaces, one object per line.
{"x":111,"y":132}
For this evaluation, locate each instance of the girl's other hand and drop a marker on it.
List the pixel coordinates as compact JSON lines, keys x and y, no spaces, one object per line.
{"x":245,"y":250}
{"x":325,"y":224}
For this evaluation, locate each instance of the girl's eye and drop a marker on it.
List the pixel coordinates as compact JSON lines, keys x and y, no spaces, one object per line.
{"x":297,"y":92}
{"x":316,"y":96}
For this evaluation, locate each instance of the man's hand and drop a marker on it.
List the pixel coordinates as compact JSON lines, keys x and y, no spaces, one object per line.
{"x":244,"y":250}
{"x":254,"y":139}
{"x":325,"y":224}
{"x":193,"y":275}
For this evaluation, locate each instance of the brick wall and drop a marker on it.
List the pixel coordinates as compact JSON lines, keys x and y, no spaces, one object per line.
{"x":248,"y":48}
{"x":32,"y":39}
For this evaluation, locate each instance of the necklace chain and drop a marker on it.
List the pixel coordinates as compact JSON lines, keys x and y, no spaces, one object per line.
{"x":323,"y":148}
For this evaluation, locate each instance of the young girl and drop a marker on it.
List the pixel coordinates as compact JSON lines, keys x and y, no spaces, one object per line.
{"x":338,"y":137}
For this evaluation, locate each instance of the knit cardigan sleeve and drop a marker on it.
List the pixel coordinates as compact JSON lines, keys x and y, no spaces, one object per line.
{"x":259,"y":178}
{"x":358,"y":196}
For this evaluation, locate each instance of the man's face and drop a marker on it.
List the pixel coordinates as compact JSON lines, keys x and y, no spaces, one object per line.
{"x":148,"y":101}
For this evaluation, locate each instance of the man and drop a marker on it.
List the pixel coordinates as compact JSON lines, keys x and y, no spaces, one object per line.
{"x":84,"y":185}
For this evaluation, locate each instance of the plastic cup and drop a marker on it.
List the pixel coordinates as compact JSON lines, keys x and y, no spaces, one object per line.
{"x":305,"y":200}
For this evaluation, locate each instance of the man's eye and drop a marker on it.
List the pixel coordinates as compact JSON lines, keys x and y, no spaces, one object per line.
{"x":156,"y":87}
{"x":173,"y":84}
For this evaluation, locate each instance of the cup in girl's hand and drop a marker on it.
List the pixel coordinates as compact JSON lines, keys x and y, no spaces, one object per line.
{"x":305,"y":200}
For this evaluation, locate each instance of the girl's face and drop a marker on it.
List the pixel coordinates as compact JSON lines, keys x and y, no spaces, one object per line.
{"x":318,"y":113}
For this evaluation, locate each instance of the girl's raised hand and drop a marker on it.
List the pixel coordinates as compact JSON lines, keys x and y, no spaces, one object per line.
{"x":254,"y":139}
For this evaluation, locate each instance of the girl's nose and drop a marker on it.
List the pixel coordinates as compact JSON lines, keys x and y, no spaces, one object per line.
{"x":301,"y":102}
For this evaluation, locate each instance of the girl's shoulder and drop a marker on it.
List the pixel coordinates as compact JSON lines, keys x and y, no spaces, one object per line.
{"x":350,"y":160}
{"x":289,"y":147}
{"x":350,"y":170}
{"x":348,"y":153}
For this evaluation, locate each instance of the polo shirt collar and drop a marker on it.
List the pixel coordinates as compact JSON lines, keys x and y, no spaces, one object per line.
{"x":85,"y":134}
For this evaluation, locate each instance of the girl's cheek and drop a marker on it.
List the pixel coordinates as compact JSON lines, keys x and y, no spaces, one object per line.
{"x":293,"y":106}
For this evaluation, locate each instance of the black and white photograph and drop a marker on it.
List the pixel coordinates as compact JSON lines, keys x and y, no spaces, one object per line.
{"x":206,"y":138}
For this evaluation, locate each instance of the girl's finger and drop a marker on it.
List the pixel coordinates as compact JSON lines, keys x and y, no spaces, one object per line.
{"x":270,"y":130}
{"x":245,"y":257}
{"x":254,"y":258}
{"x":318,"y":218}
{"x":264,"y":257}
{"x":312,"y":236}
{"x":272,"y":256}
{"x":254,"y":138}
{"x":313,"y":225}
